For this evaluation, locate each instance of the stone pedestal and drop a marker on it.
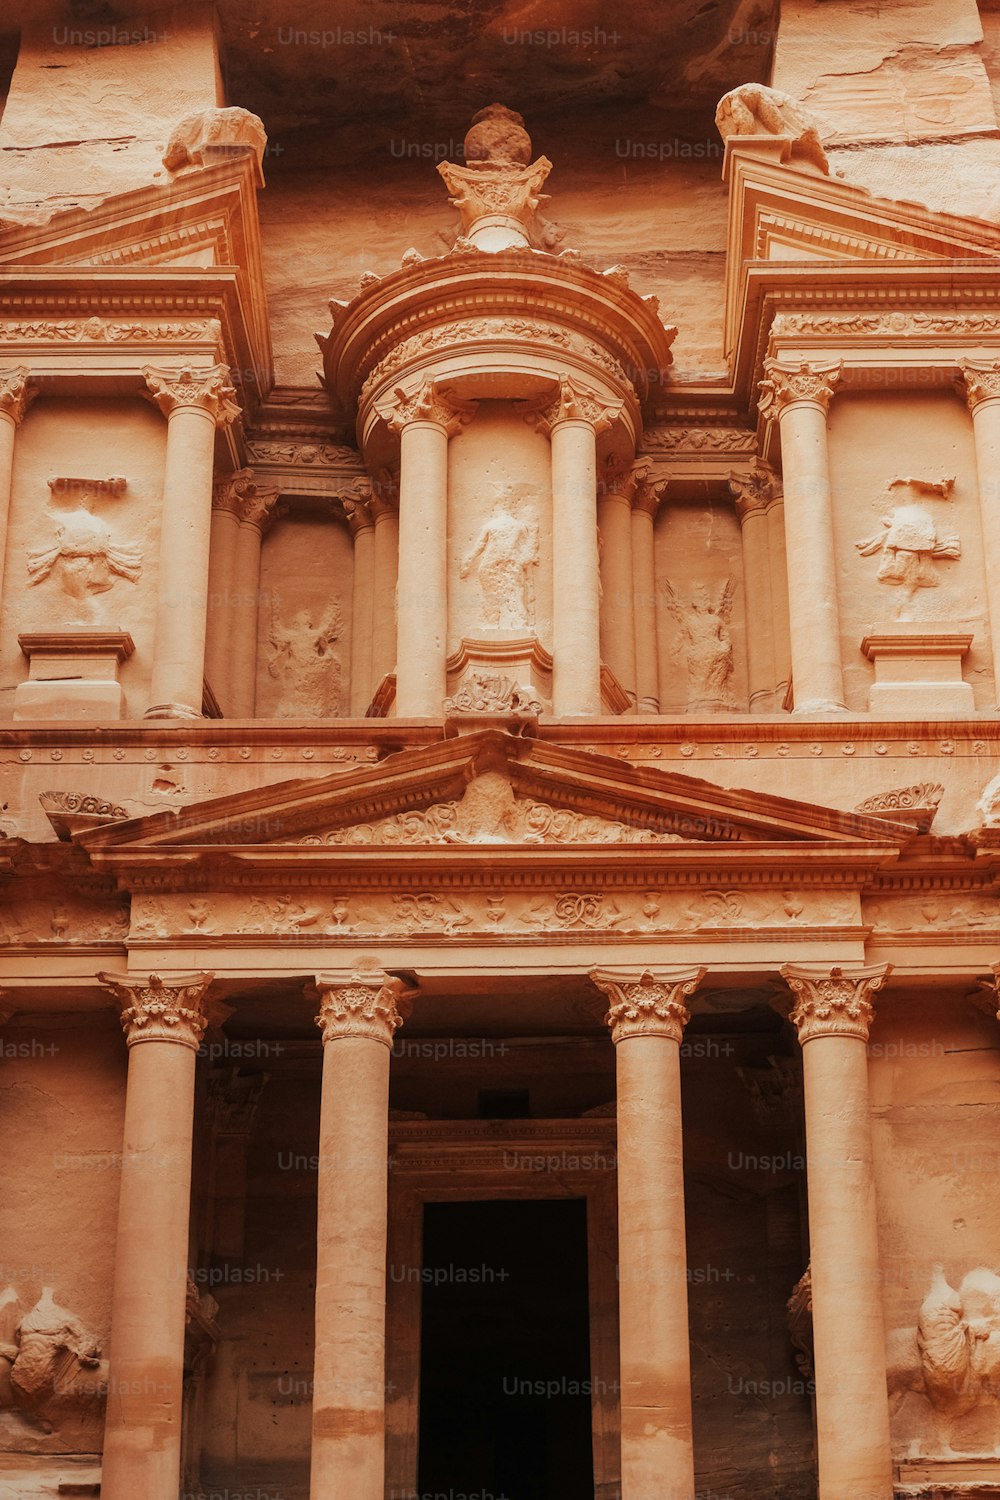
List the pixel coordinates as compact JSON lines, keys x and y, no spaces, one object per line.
{"x":918,"y":670}
{"x":73,"y":674}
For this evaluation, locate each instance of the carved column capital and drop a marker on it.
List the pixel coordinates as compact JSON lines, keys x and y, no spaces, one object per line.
{"x":790,"y":385}
{"x":207,"y":390}
{"x":573,"y":403}
{"x":367,"y":1003}
{"x":356,"y":502}
{"x":754,"y":489}
{"x":833,"y":1001}
{"x":646,"y":1002}
{"x":647,"y":493}
{"x":979,"y":381}
{"x":427,"y":404}
{"x":161,"y":1010}
{"x":16,"y":393}
{"x":250,"y":502}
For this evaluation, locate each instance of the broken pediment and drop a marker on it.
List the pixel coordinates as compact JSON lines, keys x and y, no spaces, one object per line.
{"x":487,"y":788}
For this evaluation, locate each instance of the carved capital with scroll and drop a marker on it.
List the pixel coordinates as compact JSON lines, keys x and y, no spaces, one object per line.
{"x":979,"y":381}
{"x":161,"y":1010}
{"x":790,"y":385}
{"x":207,"y":390}
{"x":647,"y":1002}
{"x":368,"y":1003}
{"x":16,"y":392}
{"x":244,"y":497}
{"x":426,"y":404}
{"x":831,"y":1001}
{"x":573,"y":403}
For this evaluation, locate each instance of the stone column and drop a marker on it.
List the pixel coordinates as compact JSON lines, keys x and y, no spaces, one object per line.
{"x":384,"y":506}
{"x":359,"y":1015}
{"x":647,"y":1016}
{"x":164,"y":1020}
{"x":573,"y":421}
{"x":614,"y":524}
{"x":754,"y":493}
{"x":16,"y":395}
{"x":832,"y":1014}
{"x":257,"y":508}
{"x":645,"y":503}
{"x":357,"y":509}
{"x":222,"y":556}
{"x":799,"y":397}
{"x":981,"y":387}
{"x":195,"y":403}
{"x":425,"y":421}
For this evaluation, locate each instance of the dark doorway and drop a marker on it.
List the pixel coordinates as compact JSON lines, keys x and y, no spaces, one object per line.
{"x":505,"y":1405}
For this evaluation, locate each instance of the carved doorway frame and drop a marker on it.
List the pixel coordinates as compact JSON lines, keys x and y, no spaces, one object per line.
{"x":453,"y":1161}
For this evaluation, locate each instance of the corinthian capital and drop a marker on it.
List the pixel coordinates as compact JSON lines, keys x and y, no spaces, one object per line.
{"x":426,"y":404}
{"x":206,"y":390}
{"x":755,"y":488}
{"x":833,"y":1001}
{"x":161,"y":1010}
{"x":367,"y":1003}
{"x":572,"y":404}
{"x":979,"y":381}
{"x":16,"y":394}
{"x":644,"y":1002}
{"x":784,"y":385}
{"x":246,"y":499}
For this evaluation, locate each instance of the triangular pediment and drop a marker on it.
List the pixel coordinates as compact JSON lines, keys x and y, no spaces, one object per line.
{"x":485,"y":790}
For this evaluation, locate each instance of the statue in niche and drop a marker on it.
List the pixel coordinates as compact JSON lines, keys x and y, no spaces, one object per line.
{"x":706,"y":644}
{"x":911,"y":541}
{"x":504,"y":555}
{"x":83,"y":556}
{"x":305,"y":664}
{"x":45,"y":1353}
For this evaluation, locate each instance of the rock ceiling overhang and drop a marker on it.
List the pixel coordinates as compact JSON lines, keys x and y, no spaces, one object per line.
{"x":491,"y":802}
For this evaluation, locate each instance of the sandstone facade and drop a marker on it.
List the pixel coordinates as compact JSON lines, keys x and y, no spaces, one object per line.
{"x":499,"y":924}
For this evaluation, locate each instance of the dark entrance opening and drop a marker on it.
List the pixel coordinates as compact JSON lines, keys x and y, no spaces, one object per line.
{"x":505,"y":1404}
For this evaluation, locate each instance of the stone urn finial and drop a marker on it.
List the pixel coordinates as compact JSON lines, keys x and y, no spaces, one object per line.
{"x":497,"y":134}
{"x":498,"y":191}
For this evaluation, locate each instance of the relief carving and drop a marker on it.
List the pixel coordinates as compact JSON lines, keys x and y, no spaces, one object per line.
{"x":302,"y":660}
{"x":504,"y":557}
{"x":753,"y":110}
{"x":912,"y":540}
{"x":499,"y":179}
{"x":492,"y":693}
{"x":43,"y":1355}
{"x":490,"y":812}
{"x":83,"y":556}
{"x":706,"y":644}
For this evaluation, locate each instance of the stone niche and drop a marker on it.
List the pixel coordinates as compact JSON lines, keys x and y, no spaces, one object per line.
{"x":304,"y":618}
{"x":81,"y":545}
{"x":700,"y":615}
{"x":908,"y":539}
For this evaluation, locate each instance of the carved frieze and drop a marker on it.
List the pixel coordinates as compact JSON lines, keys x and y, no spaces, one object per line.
{"x":903,"y":323}
{"x":492,"y":693}
{"x":923,"y":796}
{"x":722,"y":440}
{"x":96,"y":330}
{"x":309,"y":455}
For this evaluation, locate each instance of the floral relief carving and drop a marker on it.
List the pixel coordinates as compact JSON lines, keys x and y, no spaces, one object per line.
{"x":785,"y":384}
{"x":572,"y":404}
{"x":699,"y":439}
{"x":647,"y":1004}
{"x":705,"y":643}
{"x":208,"y":390}
{"x":16,"y":392}
{"x":104,"y":330}
{"x":364,"y":1004}
{"x":900,"y":322}
{"x":158,"y":1010}
{"x":833,"y":1002}
{"x":302,"y":660}
{"x":247,"y":498}
{"x":427,"y":404}
{"x":492,"y":693}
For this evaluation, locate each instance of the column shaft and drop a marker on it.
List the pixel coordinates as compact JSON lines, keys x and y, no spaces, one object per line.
{"x":384,"y":594}
{"x":16,"y":395}
{"x":363,"y":619}
{"x":219,"y":629}
{"x":358,"y":1018}
{"x":781,"y":633}
{"x":142,"y":1441}
{"x":983,"y":391}
{"x":576,"y":616}
{"x":422,"y":589}
{"x":614,"y":520}
{"x":852,"y":1407}
{"x":647,"y":1019}
{"x":647,"y":669}
{"x":245,"y":612}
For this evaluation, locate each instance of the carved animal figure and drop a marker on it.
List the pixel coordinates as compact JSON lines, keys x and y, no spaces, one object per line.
{"x":753,"y":109}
